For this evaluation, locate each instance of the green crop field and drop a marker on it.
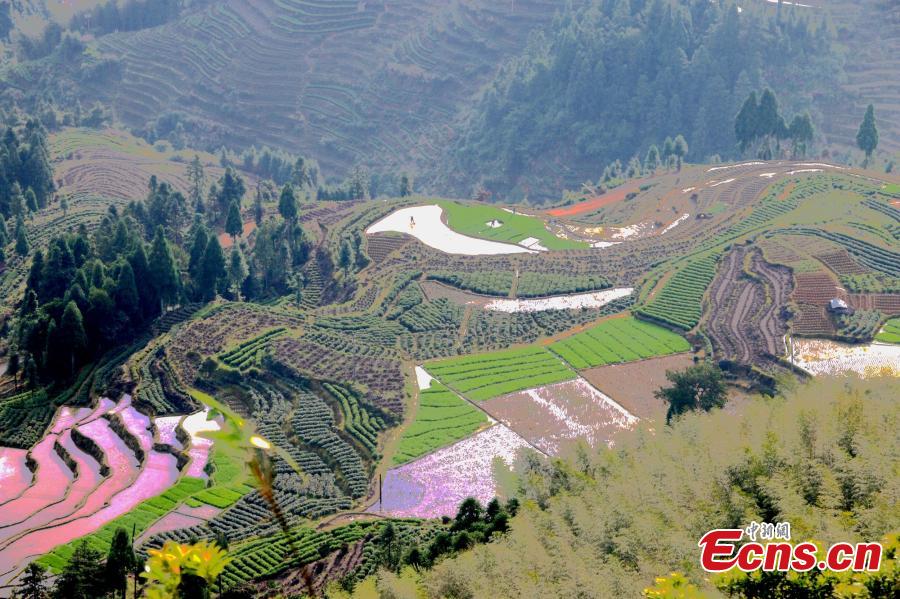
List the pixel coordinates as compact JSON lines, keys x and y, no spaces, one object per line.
{"x":473,"y":219}
{"x":441,"y":419}
{"x":485,"y":376}
{"x":891,"y":332}
{"x":618,"y":340}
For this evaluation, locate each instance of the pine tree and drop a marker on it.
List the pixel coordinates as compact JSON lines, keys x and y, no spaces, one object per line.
{"x":163,"y":274}
{"x":651,"y":162}
{"x":126,"y":294}
{"x":258,"y":209}
{"x":31,"y":200}
{"x":801,"y":133}
{"x":197,"y":179}
{"x":867,"y":136}
{"x":287,"y":203}
{"x":680,"y":149}
{"x":71,"y":335}
{"x":21,"y":238}
{"x":745,"y":123}
{"x":82,"y":576}
{"x":119,"y":563}
{"x":34,"y":585}
{"x":141,"y":268}
{"x":234,"y":226}
{"x":344,"y":259}
{"x":237,"y":271}
{"x":668,"y":152}
{"x":198,"y":249}
{"x":405,"y":186}
{"x":767,"y":118}
{"x":213,"y":269}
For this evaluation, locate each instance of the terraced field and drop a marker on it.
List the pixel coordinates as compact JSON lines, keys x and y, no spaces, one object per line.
{"x":484,"y":376}
{"x":98,"y":469}
{"x":441,"y":418}
{"x":890,"y":333}
{"x":618,"y":340}
{"x":342,"y":81}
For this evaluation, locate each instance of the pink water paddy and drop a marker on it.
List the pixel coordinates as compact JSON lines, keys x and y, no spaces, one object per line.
{"x":67,"y":417}
{"x":184,"y":517}
{"x":194,"y":425}
{"x":87,"y":480}
{"x":14,"y":473}
{"x":123,"y":467}
{"x":51,"y":479}
{"x":435,"y":485}
{"x":158,"y":474}
{"x":165,"y":427}
{"x":137,"y":424}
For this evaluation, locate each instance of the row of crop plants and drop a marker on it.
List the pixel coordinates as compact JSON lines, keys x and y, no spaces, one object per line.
{"x":442,"y":418}
{"x":359,"y":422}
{"x":249,"y":352}
{"x":484,"y":376}
{"x":680,"y":300}
{"x":618,"y":340}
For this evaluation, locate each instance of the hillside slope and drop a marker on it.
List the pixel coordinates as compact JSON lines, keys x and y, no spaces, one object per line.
{"x":341,"y":80}
{"x":870,"y":30}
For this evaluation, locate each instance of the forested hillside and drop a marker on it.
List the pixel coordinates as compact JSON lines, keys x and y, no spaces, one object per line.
{"x":379,"y":81}
{"x":607,"y":82}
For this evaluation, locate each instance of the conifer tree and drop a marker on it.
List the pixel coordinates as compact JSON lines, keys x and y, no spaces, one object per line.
{"x":120,"y":562}
{"x":234,"y":226}
{"x":21,"y":238}
{"x":867,"y":136}
{"x":163,"y":274}
{"x":213,"y":269}
{"x":287,"y":203}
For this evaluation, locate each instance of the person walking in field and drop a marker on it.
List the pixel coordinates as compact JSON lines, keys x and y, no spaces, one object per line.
{"x":412,"y":222}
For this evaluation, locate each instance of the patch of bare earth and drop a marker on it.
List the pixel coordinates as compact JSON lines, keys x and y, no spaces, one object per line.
{"x":632,"y":385}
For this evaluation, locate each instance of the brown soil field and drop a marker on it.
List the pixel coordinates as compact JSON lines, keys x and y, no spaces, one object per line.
{"x":434,"y":290}
{"x":632,"y":384}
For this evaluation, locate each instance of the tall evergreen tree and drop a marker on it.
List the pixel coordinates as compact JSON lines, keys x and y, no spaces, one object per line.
{"x":680,"y":149}
{"x":34,"y":582}
{"x":234,"y":225}
{"x":126,"y":294}
{"x":71,"y":338}
{"x":801,"y":133}
{"x":745,"y":123}
{"x":198,"y":249}
{"x":406,"y":188}
{"x":287,"y":204}
{"x":163,"y":273}
{"x":119,"y":563}
{"x":867,"y":136}
{"x":148,"y":297}
{"x":213,"y":270}
{"x":82,"y":576}
{"x":21,"y":238}
{"x":197,"y":179}
{"x":237,"y":271}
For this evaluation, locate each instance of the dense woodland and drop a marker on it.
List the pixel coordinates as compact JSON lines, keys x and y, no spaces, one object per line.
{"x":608,"y":81}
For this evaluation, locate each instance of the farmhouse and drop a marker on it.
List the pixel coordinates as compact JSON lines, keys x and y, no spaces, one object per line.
{"x":838,"y":306}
